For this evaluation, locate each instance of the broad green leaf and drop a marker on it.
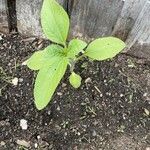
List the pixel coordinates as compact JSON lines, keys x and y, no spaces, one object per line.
{"x":55,"y":21}
{"x":47,"y":80}
{"x":104,"y":48}
{"x":44,"y":57}
{"x":75,"y":80}
{"x":35,"y":62}
{"x":75,"y":46}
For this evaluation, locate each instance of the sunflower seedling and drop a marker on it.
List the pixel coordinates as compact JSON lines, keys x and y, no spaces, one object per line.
{"x":52,"y":62}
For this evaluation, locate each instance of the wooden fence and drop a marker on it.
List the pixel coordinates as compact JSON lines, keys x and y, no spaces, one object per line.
{"x":126,"y":19}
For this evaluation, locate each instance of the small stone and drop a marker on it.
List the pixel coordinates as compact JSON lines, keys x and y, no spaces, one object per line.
{"x":1,"y":38}
{"x":23,"y":124}
{"x":146,"y":111}
{"x":147,"y":148}
{"x":79,"y":133}
{"x":121,"y":95}
{"x":105,"y":81}
{"x":15,"y":81}
{"x":65,"y":133}
{"x":23,"y":143}
{"x":2,"y":143}
{"x":145,"y":94}
{"x":20,"y":80}
{"x":38,"y":137}
{"x":94,"y":133}
{"x":64,"y":84}
{"x":35,"y":145}
{"x":49,"y":112}
{"x":59,"y":94}
{"x":58,"y":108}
{"x":88,"y":80}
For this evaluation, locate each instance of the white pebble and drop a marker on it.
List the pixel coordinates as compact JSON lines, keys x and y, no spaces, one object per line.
{"x":58,"y":108}
{"x":2,"y":143}
{"x":23,"y":143}
{"x":38,"y":137}
{"x":23,"y":124}
{"x":79,"y":133}
{"x":121,"y":95}
{"x":15,"y":81}
{"x":35,"y":145}
{"x":145,"y":94}
{"x":101,"y":95}
{"x":1,"y":38}
{"x":59,"y":94}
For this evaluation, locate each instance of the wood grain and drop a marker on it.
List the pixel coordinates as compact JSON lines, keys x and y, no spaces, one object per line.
{"x":126,"y":20}
{"x":94,"y":18}
{"x":28,"y":17}
{"x":3,"y":17}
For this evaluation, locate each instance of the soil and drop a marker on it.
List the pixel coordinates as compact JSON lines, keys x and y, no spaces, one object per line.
{"x":110,"y":111}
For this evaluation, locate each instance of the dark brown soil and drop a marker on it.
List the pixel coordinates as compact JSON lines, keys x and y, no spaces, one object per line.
{"x":110,"y":111}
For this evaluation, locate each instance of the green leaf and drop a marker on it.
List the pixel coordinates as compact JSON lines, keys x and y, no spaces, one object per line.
{"x":55,"y":21}
{"x":75,"y":80}
{"x":44,"y":57}
{"x":47,"y":80}
{"x":104,"y":48}
{"x":75,"y":46}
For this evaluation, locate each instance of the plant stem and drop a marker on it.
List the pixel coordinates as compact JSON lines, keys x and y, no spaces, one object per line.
{"x":73,"y":62}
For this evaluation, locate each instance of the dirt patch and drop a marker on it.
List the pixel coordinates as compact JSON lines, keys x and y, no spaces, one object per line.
{"x":110,"y":111}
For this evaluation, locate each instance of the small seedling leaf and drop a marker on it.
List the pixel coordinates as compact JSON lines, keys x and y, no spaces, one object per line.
{"x":55,"y":21}
{"x":75,"y":46}
{"x":44,"y":57}
{"x":47,"y":81}
{"x":75,"y":80}
{"x":104,"y":48}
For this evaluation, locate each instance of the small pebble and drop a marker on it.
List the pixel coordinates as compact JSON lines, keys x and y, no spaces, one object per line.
{"x":35,"y":145}
{"x":2,"y":143}
{"x":38,"y":137}
{"x":94,"y":133}
{"x":23,"y":143}
{"x":147,"y":148}
{"x":1,"y":38}
{"x":15,"y":81}
{"x":20,"y":80}
{"x":59,"y":94}
{"x":58,"y":108}
{"x":121,"y":95}
{"x":49,"y":112}
{"x":64,"y":84}
{"x":88,"y":80}
{"x":146,"y":111}
{"x":23,"y":124}
{"x":79,"y":133}
{"x":145,"y":94}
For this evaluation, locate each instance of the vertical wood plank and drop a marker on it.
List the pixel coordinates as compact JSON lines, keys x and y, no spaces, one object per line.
{"x":94,"y":18}
{"x":3,"y":17}
{"x":128,"y":16}
{"x":28,"y":17}
{"x":139,"y":38}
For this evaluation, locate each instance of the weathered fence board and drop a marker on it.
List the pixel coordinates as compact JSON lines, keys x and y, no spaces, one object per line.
{"x":28,"y":17}
{"x":128,"y":16}
{"x":94,"y":18}
{"x":126,"y":19}
{"x":139,"y":37}
{"x":3,"y":17}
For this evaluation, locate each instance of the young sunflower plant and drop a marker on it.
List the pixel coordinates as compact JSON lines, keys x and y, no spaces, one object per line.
{"x":52,"y":62}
